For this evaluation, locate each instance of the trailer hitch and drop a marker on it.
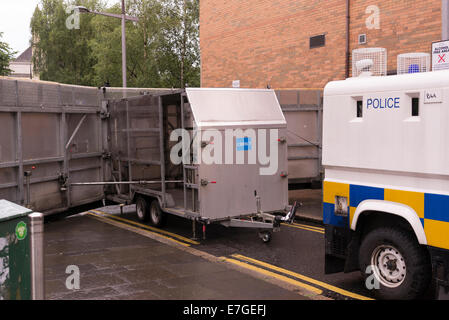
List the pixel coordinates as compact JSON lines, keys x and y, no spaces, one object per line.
{"x":290,"y":217}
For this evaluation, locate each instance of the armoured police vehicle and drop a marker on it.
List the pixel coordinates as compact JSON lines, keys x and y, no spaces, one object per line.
{"x":386,"y":188}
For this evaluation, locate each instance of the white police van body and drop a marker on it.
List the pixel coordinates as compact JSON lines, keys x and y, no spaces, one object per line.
{"x":386,"y":188}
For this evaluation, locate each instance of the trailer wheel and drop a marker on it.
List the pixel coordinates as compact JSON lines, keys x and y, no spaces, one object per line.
{"x":157,"y":217}
{"x":265,"y":236}
{"x":142,"y":209}
{"x":399,"y":266}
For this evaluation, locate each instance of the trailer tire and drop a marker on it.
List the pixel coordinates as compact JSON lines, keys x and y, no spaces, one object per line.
{"x":399,"y":266}
{"x":157,"y":216}
{"x":142,"y":209}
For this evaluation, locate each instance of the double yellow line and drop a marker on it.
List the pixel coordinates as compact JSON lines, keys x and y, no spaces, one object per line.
{"x":263,"y":268}
{"x":312,"y":285}
{"x":144,"y":228}
{"x":305,"y":227}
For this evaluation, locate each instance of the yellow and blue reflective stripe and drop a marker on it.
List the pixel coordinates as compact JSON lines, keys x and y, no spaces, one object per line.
{"x":432,"y":209}
{"x":358,"y":194}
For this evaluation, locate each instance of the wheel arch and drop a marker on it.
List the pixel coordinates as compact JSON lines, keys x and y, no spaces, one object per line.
{"x":393,"y":209}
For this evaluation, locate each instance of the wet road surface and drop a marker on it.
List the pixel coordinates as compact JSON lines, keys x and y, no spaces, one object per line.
{"x":116,"y":264}
{"x":297,"y":251}
{"x":294,"y":255}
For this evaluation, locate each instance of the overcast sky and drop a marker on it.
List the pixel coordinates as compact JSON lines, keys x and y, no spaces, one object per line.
{"x":15,"y":17}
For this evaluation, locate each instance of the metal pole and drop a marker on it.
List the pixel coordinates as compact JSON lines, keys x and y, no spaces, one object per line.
{"x":19,"y":151}
{"x":27,"y":175}
{"x":348,"y":38}
{"x":162,"y":148}
{"x":124,"y":44}
{"x":37,"y":256}
{"x":128,"y":146}
{"x":101,"y":183}
{"x":194,"y":230}
{"x":445,"y":20}
{"x":123,"y":17}
{"x":183,"y":159}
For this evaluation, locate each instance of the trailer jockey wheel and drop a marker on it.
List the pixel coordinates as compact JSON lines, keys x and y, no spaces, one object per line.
{"x":157,"y":217}
{"x":265,"y":236}
{"x":142,"y":209}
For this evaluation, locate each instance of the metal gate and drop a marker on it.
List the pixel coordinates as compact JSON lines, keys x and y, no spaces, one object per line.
{"x":303,"y":110}
{"x":53,"y":135}
{"x":50,"y":136}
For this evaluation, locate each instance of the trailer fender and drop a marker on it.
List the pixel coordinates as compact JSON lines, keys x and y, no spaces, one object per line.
{"x":393,"y":208}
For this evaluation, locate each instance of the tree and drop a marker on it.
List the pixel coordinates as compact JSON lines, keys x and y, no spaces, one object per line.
{"x":142,"y":41}
{"x":62,"y":54}
{"x":162,"y":48}
{"x":180,"y":48}
{"x":6,"y":55}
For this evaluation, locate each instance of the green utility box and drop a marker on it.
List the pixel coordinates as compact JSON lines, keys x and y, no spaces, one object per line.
{"x":15,"y":257}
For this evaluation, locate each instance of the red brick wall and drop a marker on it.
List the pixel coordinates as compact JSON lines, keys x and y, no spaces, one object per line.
{"x":267,"y":42}
{"x":405,"y":26}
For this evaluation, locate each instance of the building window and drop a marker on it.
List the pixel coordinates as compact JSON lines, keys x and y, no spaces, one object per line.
{"x":317,"y":41}
{"x":392,"y":72}
{"x":359,"y":109}
{"x":415,"y":107}
{"x":362,"y":38}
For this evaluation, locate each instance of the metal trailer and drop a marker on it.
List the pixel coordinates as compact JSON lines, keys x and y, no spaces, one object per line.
{"x":53,"y":134}
{"x":234,"y":195}
{"x":55,"y":140}
{"x":58,"y":141}
{"x":303,"y":111}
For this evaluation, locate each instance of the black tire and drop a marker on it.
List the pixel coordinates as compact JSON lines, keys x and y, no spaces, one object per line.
{"x":157,"y":216}
{"x":406,"y":273}
{"x":142,"y":209}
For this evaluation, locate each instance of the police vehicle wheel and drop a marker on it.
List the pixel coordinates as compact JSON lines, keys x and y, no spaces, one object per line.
{"x":157,"y":217}
{"x":142,"y":209}
{"x":394,"y":265}
{"x":265,"y":236}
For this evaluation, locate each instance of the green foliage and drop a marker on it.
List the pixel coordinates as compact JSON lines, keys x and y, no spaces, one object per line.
{"x":162,"y":48}
{"x":6,"y":55}
{"x":62,"y":54}
{"x":180,"y":42}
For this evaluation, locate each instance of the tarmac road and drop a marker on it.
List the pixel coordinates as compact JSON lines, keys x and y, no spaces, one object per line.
{"x":297,"y":251}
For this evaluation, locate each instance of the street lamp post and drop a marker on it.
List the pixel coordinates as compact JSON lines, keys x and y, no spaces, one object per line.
{"x":124,"y":18}
{"x":124,"y":45}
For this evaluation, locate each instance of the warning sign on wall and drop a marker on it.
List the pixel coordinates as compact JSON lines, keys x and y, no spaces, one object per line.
{"x":440,"y":55}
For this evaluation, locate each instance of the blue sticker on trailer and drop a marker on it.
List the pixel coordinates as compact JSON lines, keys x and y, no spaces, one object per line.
{"x":243,"y":144}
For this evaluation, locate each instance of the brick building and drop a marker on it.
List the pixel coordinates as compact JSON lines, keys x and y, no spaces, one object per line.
{"x":306,"y":43}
